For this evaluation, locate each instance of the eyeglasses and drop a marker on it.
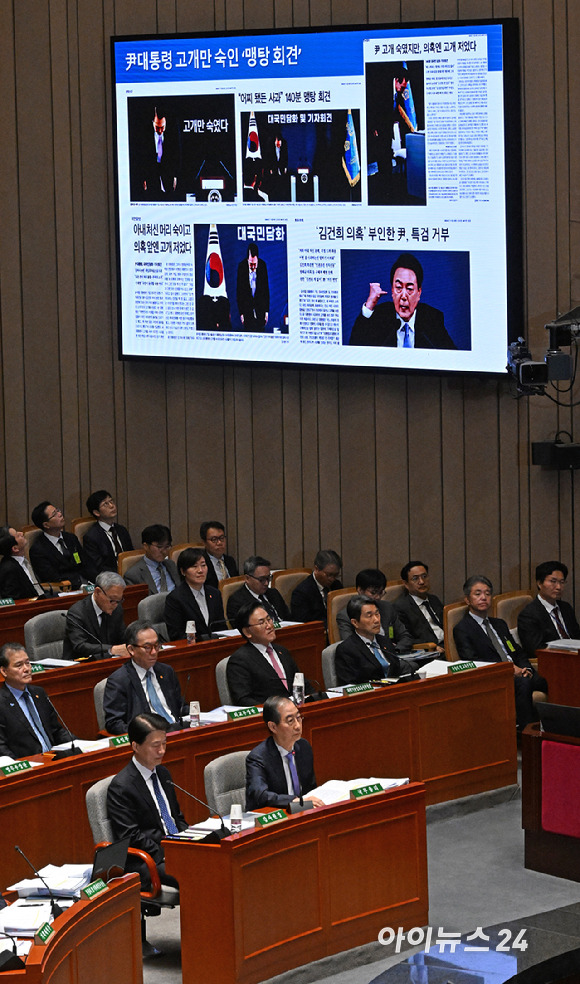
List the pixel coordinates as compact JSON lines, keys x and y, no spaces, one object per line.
{"x":262,"y":580}
{"x":263,"y":621}
{"x":556,"y":580}
{"x":216,"y":539}
{"x":112,"y":601}
{"x":150,"y":647}
{"x":57,"y":512}
{"x":418,"y":577}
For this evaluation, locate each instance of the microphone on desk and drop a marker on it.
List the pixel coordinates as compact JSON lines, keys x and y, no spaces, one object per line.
{"x":214,"y":836}
{"x":64,"y":752}
{"x":54,"y":908}
{"x":185,"y":702}
{"x":10,"y":961}
{"x":219,"y":625}
{"x":88,"y":632}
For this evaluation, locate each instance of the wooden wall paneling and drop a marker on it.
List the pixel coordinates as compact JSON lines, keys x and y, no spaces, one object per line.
{"x":283,"y":13}
{"x":268,"y":470}
{"x":503,"y":8}
{"x":300,"y":13}
{"x":258,"y":14}
{"x":234,"y":11}
{"x":524,"y":493}
{"x":392,"y":471}
{"x":561,"y":147}
{"x":384,"y":11}
{"x":43,"y":367}
{"x":167,"y":16}
{"x":482,"y":488}
{"x":135,"y":16}
{"x":447,"y":581}
{"x":330,"y":465}
{"x":204,"y":429}
{"x":13,"y":485}
{"x":425,"y":469}
{"x":292,"y":468}
{"x":174,"y":513}
{"x":320,"y":13}
{"x":358,"y":473}
{"x":417,"y":10}
{"x":229,"y":457}
{"x":246,"y":403}
{"x":511,"y":574}
{"x":446,"y":10}
{"x":312,"y":502}
{"x":346,"y":12}
{"x":147,"y":445}
{"x":199,"y":16}
{"x":573,"y":11}
{"x":468,"y":9}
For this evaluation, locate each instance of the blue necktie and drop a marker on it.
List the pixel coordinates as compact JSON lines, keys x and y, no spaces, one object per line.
{"x":168,"y":820}
{"x":379,"y":655}
{"x":156,"y":704}
{"x":294,"y":774}
{"x":407,"y":341}
{"x":36,"y":722}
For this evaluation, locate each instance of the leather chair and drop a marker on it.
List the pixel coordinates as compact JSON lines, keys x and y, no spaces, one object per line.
{"x":98,"y":697}
{"x":176,"y":550}
{"x":452,"y":614}
{"x":335,"y":602}
{"x":152,"y":609}
{"x":394,"y":590}
{"x":44,"y":634}
{"x":80,"y":526}
{"x":508,"y":606}
{"x":328,"y":665}
{"x":225,"y":782}
{"x":126,"y":559}
{"x":228,"y":586}
{"x":222,"y":681}
{"x":286,"y":580}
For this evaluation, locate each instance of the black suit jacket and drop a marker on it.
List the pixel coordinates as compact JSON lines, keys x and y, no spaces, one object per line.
{"x":212,"y":578}
{"x":50,"y":565}
{"x":252,"y":680}
{"x":99,"y":550}
{"x":275,"y":603}
{"x":265,"y":777}
{"x":17,"y":737}
{"x":415,"y":622}
{"x":306,"y":603}
{"x":124,"y":696}
{"x":133,"y":813}
{"x":181,"y":607}
{"x":82,"y":626}
{"x":394,"y":629}
{"x":254,"y":309}
{"x":536,"y":627}
{"x":14,"y":581}
{"x":355,"y":663}
{"x":139,"y":573}
{"x":381,"y":328}
{"x":473,"y":642}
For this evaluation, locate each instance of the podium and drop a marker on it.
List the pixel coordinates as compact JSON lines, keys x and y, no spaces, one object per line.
{"x":265,"y":901}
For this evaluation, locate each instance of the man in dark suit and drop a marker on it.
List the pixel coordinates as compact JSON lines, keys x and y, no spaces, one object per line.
{"x":404,"y":323}
{"x":371,"y":583}
{"x":193,"y":600}
{"x":547,"y":618}
{"x":155,"y":569}
{"x":57,"y":555}
{"x":95,"y":627}
{"x":155,"y":157}
{"x":481,"y":638}
{"x":141,"y":800}
{"x":17,"y":576}
{"x":308,"y":601}
{"x":258,"y":574}
{"x":106,"y":539}
{"x":253,"y":291}
{"x":259,"y":669}
{"x":366,"y":655}
{"x":142,"y":685}
{"x":280,"y":770}
{"x":28,"y":722}
{"x":420,"y":611}
{"x":219,"y":564}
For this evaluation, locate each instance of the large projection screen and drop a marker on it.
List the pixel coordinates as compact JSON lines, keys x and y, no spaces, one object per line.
{"x":328,"y":198}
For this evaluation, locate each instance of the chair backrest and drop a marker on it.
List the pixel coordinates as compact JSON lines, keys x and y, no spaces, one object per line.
{"x":328,"y":667}
{"x":335,"y":602}
{"x":80,"y":526}
{"x":152,"y":609}
{"x":509,"y":605}
{"x":394,"y":590}
{"x":225,"y":781}
{"x":96,"y":800}
{"x":228,"y":586}
{"x":452,"y":614}
{"x":176,"y":550}
{"x":98,"y":696}
{"x":222,"y":681}
{"x":285,"y":581}
{"x":126,"y":559}
{"x":43,"y":635}
{"x":30,"y":534}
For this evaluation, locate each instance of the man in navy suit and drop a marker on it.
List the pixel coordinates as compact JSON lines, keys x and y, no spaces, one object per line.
{"x":28,"y":721}
{"x":95,"y":627}
{"x":141,"y":800}
{"x":280,"y":770}
{"x":479,"y":637}
{"x":106,"y":539}
{"x":366,"y":655}
{"x":57,"y":555}
{"x":258,"y":574}
{"x":142,"y":685}
{"x":547,"y":618}
{"x":404,"y":322}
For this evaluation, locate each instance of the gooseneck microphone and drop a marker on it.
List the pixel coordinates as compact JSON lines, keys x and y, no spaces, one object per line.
{"x":223,"y":831}
{"x":10,"y":961}
{"x":63,"y":752}
{"x":54,"y":908}
{"x":76,"y":621}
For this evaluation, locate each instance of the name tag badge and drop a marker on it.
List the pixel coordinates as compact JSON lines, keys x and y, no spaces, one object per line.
{"x":76,"y":557}
{"x":510,"y":646}
{"x":391,"y":632}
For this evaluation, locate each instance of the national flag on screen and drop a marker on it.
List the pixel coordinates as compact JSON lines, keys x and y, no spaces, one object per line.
{"x":215,"y":279}
{"x":253,"y":142}
{"x":350,"y":158}
{"x":408,"y":114}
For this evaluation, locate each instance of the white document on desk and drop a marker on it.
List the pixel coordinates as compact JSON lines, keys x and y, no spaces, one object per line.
{"x":23,"y":919}
{"x":338,"y":790}
{"x":572,"y":644}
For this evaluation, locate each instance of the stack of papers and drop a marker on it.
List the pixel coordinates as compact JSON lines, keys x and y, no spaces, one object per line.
{"x":573,"y":644}
{"x":82,"y":745}
{"x":214,"y":823}
{"x":63,"y":880}
{"x":23,"y":918}
{"x":219,"y":714}
{"x":338,"y":790}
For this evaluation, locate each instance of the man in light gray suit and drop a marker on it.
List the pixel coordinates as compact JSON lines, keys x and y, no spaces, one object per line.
{"x":154,"y":569}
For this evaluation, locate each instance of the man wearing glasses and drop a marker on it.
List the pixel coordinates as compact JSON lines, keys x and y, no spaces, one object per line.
{"x":219,"y":564}
{"x":95,"y":627}
{"x":57,"y":555}
{"x":371,"y":583}
{"x":280,"y":770}
{"x":142,"y":686}
{"x":420,"y":611}
{"x":257,"y":572}
{"x":259,"y":669}
{"x":154,"y":568}
{"x":547,"y":618}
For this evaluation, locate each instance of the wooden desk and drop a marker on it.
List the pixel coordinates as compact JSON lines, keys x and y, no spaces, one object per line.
{"x":561,"y":668}
{"x":97,"y":941}
{"x":13,"y":617}
{"x":315,"y":884}
{"x":554,"y":854}
{"x":455,"y":734}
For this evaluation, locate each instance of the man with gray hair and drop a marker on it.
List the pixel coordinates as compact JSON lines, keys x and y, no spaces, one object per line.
{"x":257,"y":572}
{"x":95,"y":627}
